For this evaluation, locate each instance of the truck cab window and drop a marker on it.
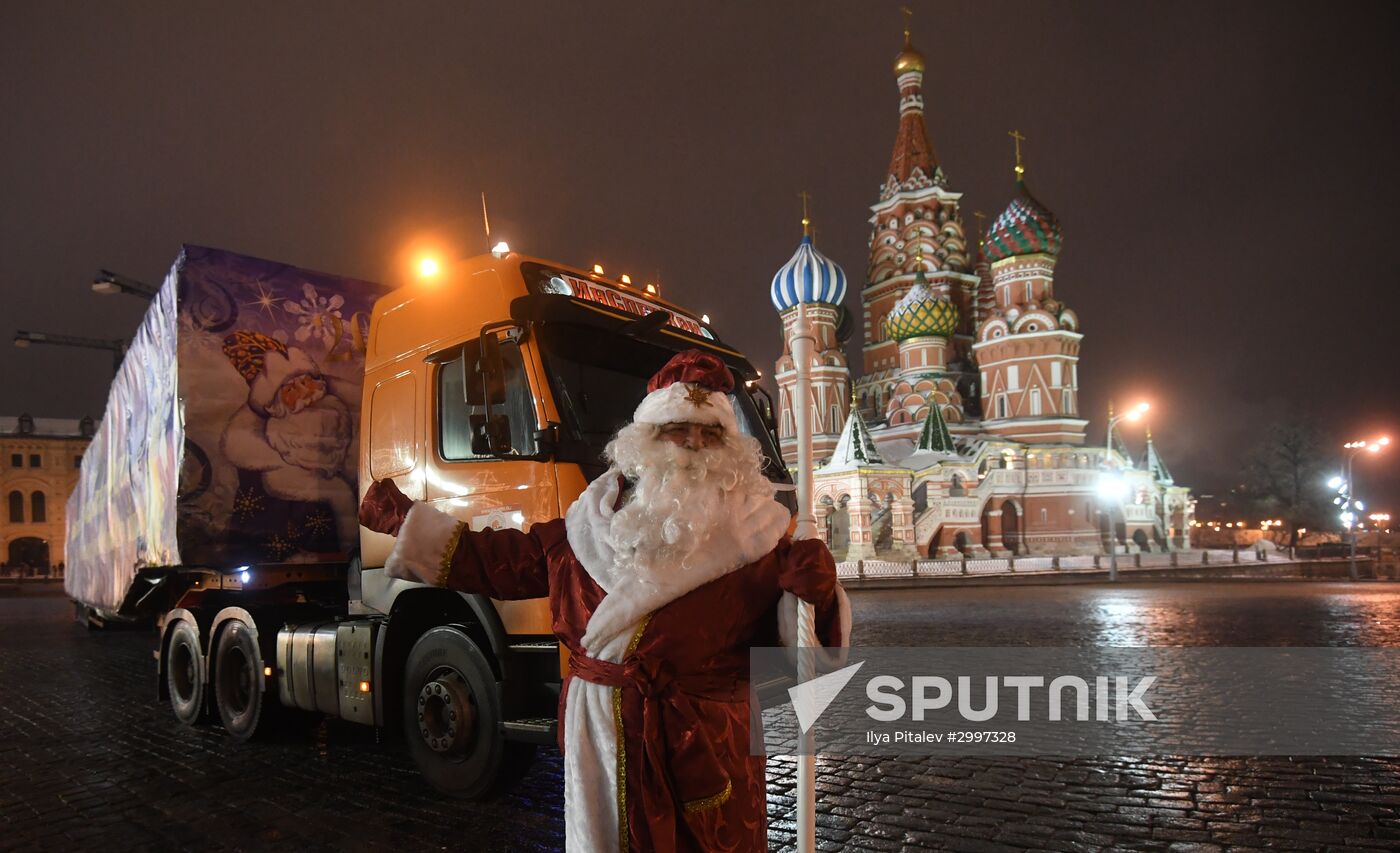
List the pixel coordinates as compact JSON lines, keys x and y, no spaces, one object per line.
{"x":461,"y":405}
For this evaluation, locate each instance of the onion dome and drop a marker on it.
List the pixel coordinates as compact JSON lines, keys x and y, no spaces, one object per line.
{"x":808,"y":276}
{"x":908,"y":59}
{"x":919,"y":313}
{"x":1024,"y":228}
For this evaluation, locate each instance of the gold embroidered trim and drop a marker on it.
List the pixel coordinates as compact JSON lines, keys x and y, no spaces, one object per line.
{"x":622,"y":834}
{"x":710,"y":802}
{"x":445,"y":565}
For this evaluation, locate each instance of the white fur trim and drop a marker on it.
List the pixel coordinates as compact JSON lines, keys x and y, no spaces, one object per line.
{"x":590,"y":759}
{"x":672,"y":405}
{"x":827,"y":656}
{"x":422,"y":544}
{"x":756,"y":525}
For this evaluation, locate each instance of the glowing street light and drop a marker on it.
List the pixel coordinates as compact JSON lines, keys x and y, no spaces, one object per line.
{"x":1109,"y":489}
{"x":1347,"y":488}
{"x":1133,"y":414}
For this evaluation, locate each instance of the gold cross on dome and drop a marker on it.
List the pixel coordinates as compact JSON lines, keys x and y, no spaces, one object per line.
{"x":908,"y":20}
{"x":806,"y":220}
{"x":1016,"y":135}
{"x":697,"y":396}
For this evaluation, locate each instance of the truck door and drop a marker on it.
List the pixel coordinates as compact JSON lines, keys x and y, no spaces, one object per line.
{"x":510,"y":485}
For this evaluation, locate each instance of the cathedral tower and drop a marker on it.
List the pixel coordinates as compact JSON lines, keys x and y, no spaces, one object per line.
{"x":915,"y":224}
{"x":811,"y":278}
{"x":1028,"y":342}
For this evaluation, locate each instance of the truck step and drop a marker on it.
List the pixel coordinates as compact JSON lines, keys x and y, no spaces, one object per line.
{"x":530,"y":730}
{"x":537,"y":647}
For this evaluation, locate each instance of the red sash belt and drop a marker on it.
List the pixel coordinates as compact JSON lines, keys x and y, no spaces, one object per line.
{"x":678,"y":762}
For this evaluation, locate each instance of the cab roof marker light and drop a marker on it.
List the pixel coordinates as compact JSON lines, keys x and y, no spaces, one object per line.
{"x":597,"y":269}
{"x":501,"y":249}
{"x":626,"y":279}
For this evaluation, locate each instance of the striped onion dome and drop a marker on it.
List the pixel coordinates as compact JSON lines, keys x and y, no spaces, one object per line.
{"x":1024,"y":228}
{"x":808,"y":276}
{"x":919,"y":313}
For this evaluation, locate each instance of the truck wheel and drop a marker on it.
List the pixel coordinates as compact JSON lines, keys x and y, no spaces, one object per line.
{"x":184,"y":673}
{"x":452,"y":715}
{"x":238,"y":680}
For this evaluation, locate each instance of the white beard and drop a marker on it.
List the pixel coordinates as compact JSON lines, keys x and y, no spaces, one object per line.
{"x":683,"y":501}
{"x":315,"y":437}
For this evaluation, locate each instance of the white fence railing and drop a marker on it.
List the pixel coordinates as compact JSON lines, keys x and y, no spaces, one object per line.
{"x":881,"y":569}
{"x":939,"y":567}
{"x":1079,"y":563}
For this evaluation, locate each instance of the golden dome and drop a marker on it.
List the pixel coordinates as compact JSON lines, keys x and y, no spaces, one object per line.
{"x":909,"y":59}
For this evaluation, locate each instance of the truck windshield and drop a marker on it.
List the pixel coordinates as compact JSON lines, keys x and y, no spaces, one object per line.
{"x":597,"y":388}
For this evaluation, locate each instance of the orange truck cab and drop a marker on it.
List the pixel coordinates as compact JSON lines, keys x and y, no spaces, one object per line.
{"x":490,"y":392}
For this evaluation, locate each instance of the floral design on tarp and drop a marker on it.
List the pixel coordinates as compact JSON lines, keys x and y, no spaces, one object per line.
{"x":318,"y":316}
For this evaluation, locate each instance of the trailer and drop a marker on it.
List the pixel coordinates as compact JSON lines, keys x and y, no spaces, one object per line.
{"x":255,"y":406}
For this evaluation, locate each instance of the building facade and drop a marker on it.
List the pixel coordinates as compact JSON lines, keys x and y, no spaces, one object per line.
{"x":39,"y":467}
{"x":963,"y":432}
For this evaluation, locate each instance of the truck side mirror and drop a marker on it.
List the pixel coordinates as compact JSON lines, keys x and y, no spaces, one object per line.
{"x":493,"y":380}
{"x":492,"y":371}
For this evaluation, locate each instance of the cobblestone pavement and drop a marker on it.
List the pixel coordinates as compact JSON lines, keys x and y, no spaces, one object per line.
{"x":89,"y":759}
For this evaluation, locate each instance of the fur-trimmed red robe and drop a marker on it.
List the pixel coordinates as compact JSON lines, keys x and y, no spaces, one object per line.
{"x":655,"y":710}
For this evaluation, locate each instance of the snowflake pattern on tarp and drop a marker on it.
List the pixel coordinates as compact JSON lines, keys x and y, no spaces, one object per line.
{"x":247,"y":504}
{"x":317,"y":316}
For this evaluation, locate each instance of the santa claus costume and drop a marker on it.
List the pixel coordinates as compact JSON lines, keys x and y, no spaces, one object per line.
{"x":660,"y":578}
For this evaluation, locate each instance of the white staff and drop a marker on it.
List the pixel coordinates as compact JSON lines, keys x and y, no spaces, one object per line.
{"x":803,"y":340}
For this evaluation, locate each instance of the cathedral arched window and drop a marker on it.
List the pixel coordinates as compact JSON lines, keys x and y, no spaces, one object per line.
{"x":38,"y":511}
{"x":16,"y":507}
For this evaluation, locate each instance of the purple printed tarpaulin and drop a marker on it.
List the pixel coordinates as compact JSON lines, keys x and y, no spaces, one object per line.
{"x":231,"y":434}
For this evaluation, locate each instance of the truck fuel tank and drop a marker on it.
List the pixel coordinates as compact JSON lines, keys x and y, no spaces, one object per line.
{"x":328,"y":667}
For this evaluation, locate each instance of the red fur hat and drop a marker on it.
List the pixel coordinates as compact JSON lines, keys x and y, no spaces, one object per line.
{"x":693,"y":387}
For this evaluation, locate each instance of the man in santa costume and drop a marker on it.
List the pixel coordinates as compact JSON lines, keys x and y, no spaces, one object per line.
{"x":662,"y":575}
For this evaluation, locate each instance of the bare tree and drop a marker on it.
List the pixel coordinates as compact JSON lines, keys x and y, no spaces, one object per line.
{"x":1284,"y":476}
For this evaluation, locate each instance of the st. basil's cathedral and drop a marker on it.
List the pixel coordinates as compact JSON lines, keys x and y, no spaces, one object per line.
{"x":962,"y":435}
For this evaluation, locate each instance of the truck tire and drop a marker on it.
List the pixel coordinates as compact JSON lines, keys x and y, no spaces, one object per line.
{"x":452,"y":717}
{"x":238,"y":680}
{"x":184,"y":673}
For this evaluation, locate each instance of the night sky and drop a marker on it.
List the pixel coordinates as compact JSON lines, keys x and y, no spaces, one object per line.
{"x":1225,"y":172}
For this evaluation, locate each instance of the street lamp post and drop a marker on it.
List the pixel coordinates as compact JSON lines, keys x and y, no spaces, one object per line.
{"x":25,"y":339}
{"x":1132,"y":414}
{"x":1351,"y":504}
{"x":107,"y":283}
